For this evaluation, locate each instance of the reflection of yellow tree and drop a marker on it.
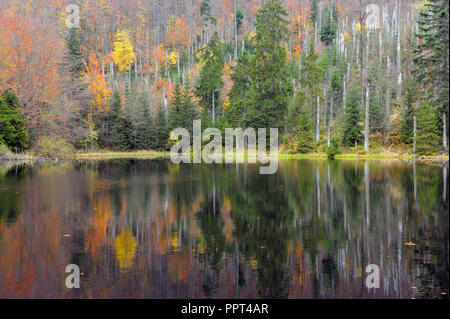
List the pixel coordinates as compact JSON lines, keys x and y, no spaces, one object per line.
{"x":125,"y":249}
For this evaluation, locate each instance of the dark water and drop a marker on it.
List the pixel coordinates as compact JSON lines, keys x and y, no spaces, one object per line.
{"x":152,"y":229}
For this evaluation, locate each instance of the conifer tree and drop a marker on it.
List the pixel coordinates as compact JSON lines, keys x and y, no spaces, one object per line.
{"x":427,"y":140}
{"x":13,"y":132}
{"x":305,"y":132}
{"x":269,"y":73}
{"x":352,"y":133}
{"x":210,"y":81}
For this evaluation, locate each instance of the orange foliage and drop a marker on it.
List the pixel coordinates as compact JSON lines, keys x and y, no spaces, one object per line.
{"x":100,"y":93}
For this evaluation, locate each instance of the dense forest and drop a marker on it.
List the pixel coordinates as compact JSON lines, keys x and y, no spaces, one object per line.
{"x":330,"y":74}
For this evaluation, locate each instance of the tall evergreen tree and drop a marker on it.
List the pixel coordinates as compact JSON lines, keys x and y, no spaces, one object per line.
{"x":162,"y":129}
{"x":119,"y":126}
{"x":427,"y":140}
{"x":432,"y":58}
{"x":210,"y":81}
{"x":269,"y":74}
{"x":236,"y":114}
{"x":305,"y":132}
{"x":352,"y":133}
{"x":13,"y":132}
{"x":176,"y":116}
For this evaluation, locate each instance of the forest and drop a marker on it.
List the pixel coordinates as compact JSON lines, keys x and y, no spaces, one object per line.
{"x":333,"y":76}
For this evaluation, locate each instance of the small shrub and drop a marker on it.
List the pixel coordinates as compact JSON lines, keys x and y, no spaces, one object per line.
{"x":52,"y":146}
{"x":333,"y":149}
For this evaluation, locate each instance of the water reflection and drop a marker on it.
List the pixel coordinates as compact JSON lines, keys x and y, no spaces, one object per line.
{"x":152,"y":229}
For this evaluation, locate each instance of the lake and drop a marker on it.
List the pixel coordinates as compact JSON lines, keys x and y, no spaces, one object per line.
{"x":153,"y":229}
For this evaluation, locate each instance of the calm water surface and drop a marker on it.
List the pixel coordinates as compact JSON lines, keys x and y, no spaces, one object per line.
{"x":152,"y":229}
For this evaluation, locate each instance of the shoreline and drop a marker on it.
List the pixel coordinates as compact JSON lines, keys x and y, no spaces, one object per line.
{"x":110,"y":155}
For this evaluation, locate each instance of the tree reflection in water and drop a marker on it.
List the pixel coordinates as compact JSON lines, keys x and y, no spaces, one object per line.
{"x":152,"y":229}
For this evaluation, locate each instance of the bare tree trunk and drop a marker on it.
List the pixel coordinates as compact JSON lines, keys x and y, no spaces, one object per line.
{"x":415,"y":128}
{"x":444,"y":133}
{"x":366,"y":132}
{"x":213,"y":108}
{"x":318,"y":120}
{"x":330,"y":121}
{"x":399,"y":61}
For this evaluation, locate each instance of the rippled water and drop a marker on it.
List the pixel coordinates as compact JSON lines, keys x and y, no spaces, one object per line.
{"x":152,"y":229}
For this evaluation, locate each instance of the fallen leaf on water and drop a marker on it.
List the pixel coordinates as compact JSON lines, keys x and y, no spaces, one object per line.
{"x":409,"y":244}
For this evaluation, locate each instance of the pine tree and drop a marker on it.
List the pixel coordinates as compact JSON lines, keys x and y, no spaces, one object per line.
{"x":407,"y":121}
{"x":432,"y":57}
{"x":176,"y":104}
{"x":314,"y":11}
{"x":269,"y":73}
{"x":74,"y":53}
{"x":120,"y":126}
{"x":236,"y":114}
{"x":427,"y":140}
{"x":162,"y":130}
{"x":210,"y":81}
{"x":352,"y":133}
{"x":328,"y":31}
{"x":189,"y":112}
{"x":13,"y":132}
{"x":305,"y":132}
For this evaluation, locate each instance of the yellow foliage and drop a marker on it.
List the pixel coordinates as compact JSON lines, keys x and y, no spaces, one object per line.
{"x":125,"y":249}
{"x":123,"y":54}
{"x":226,"y":103}
{"x":172,"y":58}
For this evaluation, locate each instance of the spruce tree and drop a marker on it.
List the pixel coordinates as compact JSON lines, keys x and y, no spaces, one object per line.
{"x":427,"y":140}
{"x":13,"y":132}
{"x":120,"y":125}
{"x":162,"y":130}
{"x":237,"y":111}
{"x":431,"y":56}
{"x":305,"y":132}
{"x":176,"y":105}
{"x":352,"y":133}
{"x":269,"y":73}
{"x":210,"y":81}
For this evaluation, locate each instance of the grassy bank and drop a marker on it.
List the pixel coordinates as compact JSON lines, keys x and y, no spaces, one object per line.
{"x":319,"y":155}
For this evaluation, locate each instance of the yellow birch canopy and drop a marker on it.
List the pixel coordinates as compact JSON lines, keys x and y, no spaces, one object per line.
{"x":123,"y":54}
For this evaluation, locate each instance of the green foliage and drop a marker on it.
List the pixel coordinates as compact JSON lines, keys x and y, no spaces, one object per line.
{"x":53,"y":146}
{"x":333,"y":149}
{"x":239,"y":18}
{"x":118,"y":133}
{"x":431,"y":54}
{"x":210,"y":81}
{"x":13,"y":132}
{"x":74,"y":54}
{"x":407,"y":121}
{"x":427,"y":136}
{"x":305,"y":132}
{"x":269,"y":73}
{"x":237,"y":96}
{"x":328,"y":31}
{"x":352,"y":133}
{"x":314,"y":11}
{"x":162,"y":129}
